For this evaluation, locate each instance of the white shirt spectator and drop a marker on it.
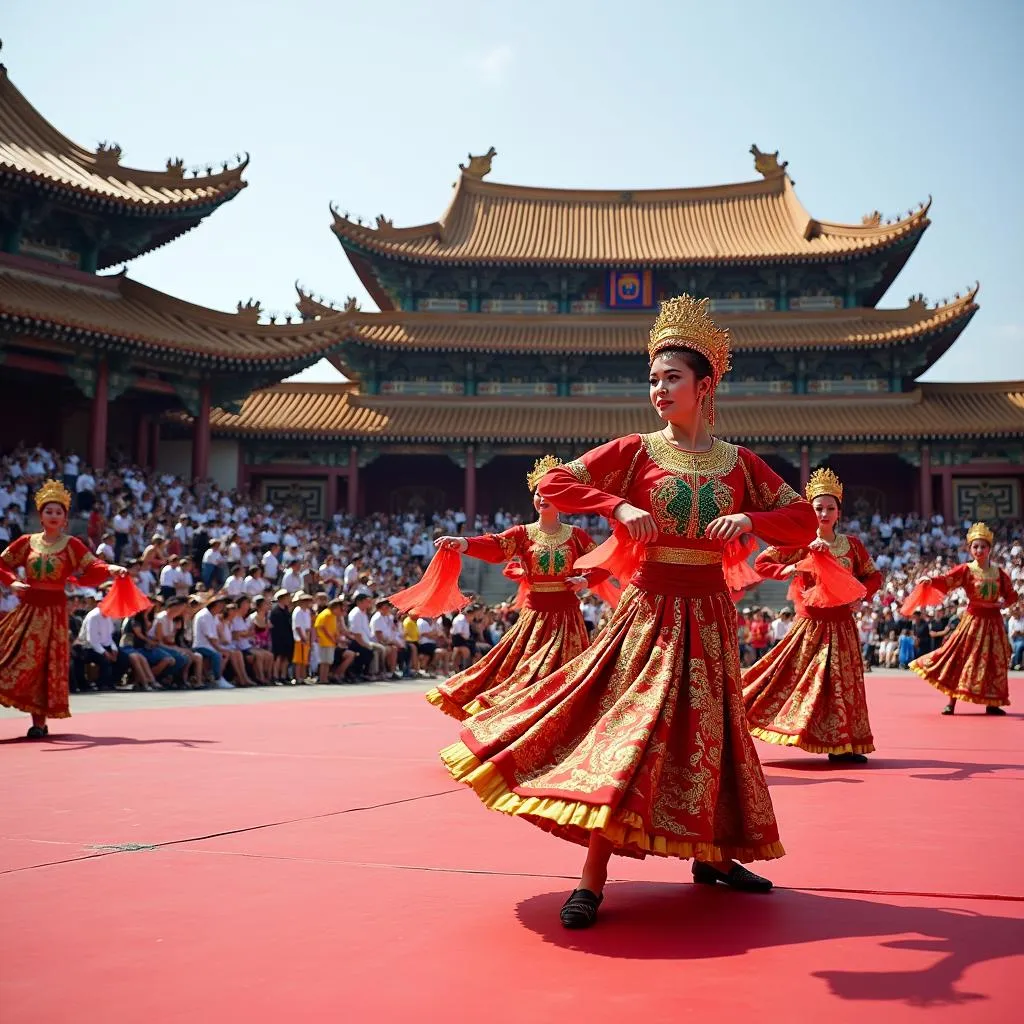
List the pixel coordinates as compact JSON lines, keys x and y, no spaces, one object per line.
{"x":235,"y":586}
{"x":302,"y":619}
{"x":255,"y":585}
{"x":97,"y":632}
{"x":460,"y":626}
{"x":85,"y":482}
{"x":779,"y":628}
{"x":170,"y":576}
{"x":270,"y":565}
{"x":105,"y":552}
{"x":291,"y":580}
{"x":205,"y":630}
{"x":385,"y":625}
{"x":359,"y":624}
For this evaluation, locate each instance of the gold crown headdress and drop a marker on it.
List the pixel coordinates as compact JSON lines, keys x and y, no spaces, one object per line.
{"x":540,"y":467}
{"x":53,"y":490}
{"x":979,"y":531}
{"x":824,"y":481}
{"x":684,"y":322}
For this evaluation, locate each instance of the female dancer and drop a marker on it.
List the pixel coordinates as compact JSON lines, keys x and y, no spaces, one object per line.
{"x":808,"y":691}
{"x":34,"y":637}
{"x":973,"y":663}
{"x":550,"y":630}
{"x":639,"y":745}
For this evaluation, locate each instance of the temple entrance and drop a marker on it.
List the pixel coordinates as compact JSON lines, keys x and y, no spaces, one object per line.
{"x":501,"y":484}
{"x":421,"y":484}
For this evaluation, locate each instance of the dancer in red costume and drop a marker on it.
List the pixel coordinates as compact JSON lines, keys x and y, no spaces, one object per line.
{"x":34,"y":637}
{"x":550,"y":630}
{"x":808,"y":691}
{"x":973,"y":664}
{"x":639,"y":745}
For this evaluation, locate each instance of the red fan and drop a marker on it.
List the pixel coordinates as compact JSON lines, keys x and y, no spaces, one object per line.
{"x":124,"y":600}
{"x":924,"y":595}
{"x":834,"y":586}
{"x":437,"y":592}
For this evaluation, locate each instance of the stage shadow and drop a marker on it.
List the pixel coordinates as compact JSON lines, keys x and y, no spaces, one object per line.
{"x":79,"y":741}
{"x":778,"y":781}
{"x":950,"y":771}
{"x":640,"y":921}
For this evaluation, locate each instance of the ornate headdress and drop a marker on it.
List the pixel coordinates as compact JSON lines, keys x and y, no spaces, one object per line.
{"x":684,"y":322}
{"x":979,"y":531}
{"x":53,"y":490}
{"x":824,"y":481}
{"x":540,"y":467}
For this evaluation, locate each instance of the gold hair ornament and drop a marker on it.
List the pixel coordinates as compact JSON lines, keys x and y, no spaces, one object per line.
{"x":540,"y":467}
{"x":685,"y":322}
{"x":979,"y":531}
{"x":824,"y":482}
{"x":53,"y":490}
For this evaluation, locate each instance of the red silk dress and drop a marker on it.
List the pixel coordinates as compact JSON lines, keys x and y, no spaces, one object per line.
{"x":642,"y":737}
{"x":34,"y":637}
{"x":549,"y":631}
{"x":808,"y":691}
{"x":973,"y":664}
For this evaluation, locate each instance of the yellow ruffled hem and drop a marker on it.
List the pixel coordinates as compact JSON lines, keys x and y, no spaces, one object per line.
{"x":785,"y":740}
{"x":442,"y":703}
{"x":575,"y":821}
{"x":967,"y":698}
{"x":474,"y":707}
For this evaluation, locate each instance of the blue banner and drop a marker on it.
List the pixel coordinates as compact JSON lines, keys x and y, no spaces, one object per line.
{"x":630,"y":289}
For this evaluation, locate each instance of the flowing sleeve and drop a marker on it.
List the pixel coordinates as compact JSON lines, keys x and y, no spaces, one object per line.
{"x":13,"y":558}
{"x":1006,"y":589}
{"x":87,"y":569}
{"x":771,"y":562}
{"x":777,"y":513}
{"x":956,"y":577}
{"x":596,"y":482}
{"x":865,"y":569}
{"x":496,"y":547}
{"x":585,"y":543}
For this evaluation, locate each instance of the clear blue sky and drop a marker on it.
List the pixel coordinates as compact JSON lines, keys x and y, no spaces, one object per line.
{"x":373,"y":105}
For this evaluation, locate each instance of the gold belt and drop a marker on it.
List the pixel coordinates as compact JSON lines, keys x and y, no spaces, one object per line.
{"x":549,"y":588}
{"x":682,"y":556}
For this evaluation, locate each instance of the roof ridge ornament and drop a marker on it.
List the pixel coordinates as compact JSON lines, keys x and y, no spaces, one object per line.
{"x":872,"y":219}
{"x":767,"y":164}
{"x":176,"y":167}
{"x":249,"y":311}
{"x":108,"y":155}
{"x":478,"y":166}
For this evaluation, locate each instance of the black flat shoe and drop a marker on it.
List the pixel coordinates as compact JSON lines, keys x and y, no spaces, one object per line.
{"x":848,"y":758}
{"x":580,"y":909}
{"x":37,"y":732}
{"x":993,"y":710}
{"x":737,"y":877}
{"x":948,"y":709}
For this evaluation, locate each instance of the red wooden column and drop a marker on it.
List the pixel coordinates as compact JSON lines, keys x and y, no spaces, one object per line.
{"x":470,"y":497}
{"x":142,"y":457}
{"x":353,"y":481}
{"x":805,"y":467}
{"x":201,"y":435}
{"x":98,"y":426}
{"x":947,"y":494}
{"x":926,"y":482}
{"x":154,"y":442}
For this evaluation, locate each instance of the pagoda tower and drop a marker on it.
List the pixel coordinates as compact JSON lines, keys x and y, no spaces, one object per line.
{"x":94,"y":361}
{"x":517,"y":324}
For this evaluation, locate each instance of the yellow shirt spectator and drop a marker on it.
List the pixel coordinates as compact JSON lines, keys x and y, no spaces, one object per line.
{"x":411,"y":629}
{"x":326,"y":627}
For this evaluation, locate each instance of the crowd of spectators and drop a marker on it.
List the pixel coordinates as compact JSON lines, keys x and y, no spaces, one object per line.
{"x":246,"y":593}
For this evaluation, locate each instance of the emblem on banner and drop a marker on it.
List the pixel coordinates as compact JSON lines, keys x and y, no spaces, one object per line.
{"x":630,"y":289}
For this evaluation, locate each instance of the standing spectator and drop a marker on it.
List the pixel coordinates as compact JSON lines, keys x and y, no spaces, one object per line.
{"x":326,"y":627}
{"x":122,"y":530}
{"x":781,"y":626}
{"x":85,"y":491}
{"x":760,"y":629}
{"x":302,"y":628}
{"x":907,"y":648}
{"x":213,"y":565}
{"x":281,"y":642}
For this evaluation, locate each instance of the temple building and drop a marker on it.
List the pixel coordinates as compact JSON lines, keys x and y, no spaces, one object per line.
{"x":92,"y":361}
{"x":517,"y":325}
{"x":513,"y":326}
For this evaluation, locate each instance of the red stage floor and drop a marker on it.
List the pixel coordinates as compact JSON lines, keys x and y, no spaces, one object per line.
{"x":311,"y":861}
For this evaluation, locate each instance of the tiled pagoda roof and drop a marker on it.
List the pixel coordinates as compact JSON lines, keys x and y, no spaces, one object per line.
{"x":339,"y":412}
{"x":123,"y":314}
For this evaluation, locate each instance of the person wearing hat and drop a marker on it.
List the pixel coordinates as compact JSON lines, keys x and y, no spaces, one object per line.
{"x":281,"y":642}
{"x":206,"y":639}
{"x":302,"y":628}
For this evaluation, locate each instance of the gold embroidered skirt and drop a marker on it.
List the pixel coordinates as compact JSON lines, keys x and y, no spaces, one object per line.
{"x":642,"y":737}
